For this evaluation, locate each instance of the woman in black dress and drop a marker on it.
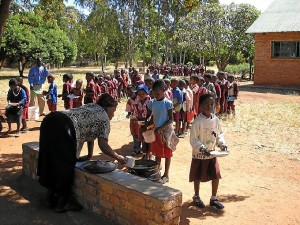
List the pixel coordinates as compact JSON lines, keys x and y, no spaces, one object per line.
{"x":62,"y":135}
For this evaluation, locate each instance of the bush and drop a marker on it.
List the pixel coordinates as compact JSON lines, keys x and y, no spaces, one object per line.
{"x":240,"y":69}
{"x":211,"y":63}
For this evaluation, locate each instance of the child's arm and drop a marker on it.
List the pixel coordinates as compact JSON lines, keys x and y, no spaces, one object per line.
{"x":166,"y":124}
{"x":221,"y":143}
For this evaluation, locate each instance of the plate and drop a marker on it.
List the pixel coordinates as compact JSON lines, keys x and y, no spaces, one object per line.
{"x":97,"y":166}
{"x":219,"y":153}
{"x":38,"y":92}
{"x":13,"y":104}
{"x":71,"y":96}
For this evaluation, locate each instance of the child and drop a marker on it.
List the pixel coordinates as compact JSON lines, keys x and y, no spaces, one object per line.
{"x":233,"y":92}
{"x":133,"y":122}
{"x":97,"y":88}
{"x":168,"y":91}
{"x":189,"y":112}
{"x":24,"y":127}
{"x":182,"y":117}
{"x":224,"y":91}
{"x":141,"y":113}
{"x":77,"y":90}
{"x":16,"y":98}
{"x":210,"y":87}
{"x":218,"y":92}
{"x":90,"y":90}
{"x":51,"y":95}
{"x":102,"y":85}
{"x":177,"y":103}
{"x":149,"y":83}
{"x":194,"y":80}
{"x":162,"y":117}
{"x":206,"y":133}
{"x":66,"y":91}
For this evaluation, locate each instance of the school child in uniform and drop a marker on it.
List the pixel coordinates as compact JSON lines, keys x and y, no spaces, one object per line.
{"x":102,"y":85}
{"x":177,"y":103}
{"x":224,"y":91}
{"x":24,"y":127}
{"x":233,"y":92}
{"x":183,"y":110}
{"x":142,"y":113}
{"x":51,"y":94}
{"x":133,"y":125}
{"x":194,"y":79}
{"x":214,"y":79}
{"x":205,"y":134}
{"x":168,"y":91}
{"x":210,"y":87}
{"x":97,"y":88}
{"x":90,"y":90}
{"x":189,"y":112}
{"x":77,"y":91}
{"x":67,"y":87}
{"x":162,"y":118}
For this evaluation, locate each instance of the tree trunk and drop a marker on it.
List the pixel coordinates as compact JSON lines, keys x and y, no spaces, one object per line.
{"x":144,"y":57}
{"x":184,"y":53}
{"x":4,"y":12}
{"x":157,"y":36}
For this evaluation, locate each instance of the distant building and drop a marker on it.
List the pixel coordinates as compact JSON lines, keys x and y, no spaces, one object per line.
{"x":277,"y":44}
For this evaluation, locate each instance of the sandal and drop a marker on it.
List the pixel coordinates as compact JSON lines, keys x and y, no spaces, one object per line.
{"x":17,"y":134}
{"x":216,"y":203}
{"x":164,"y":180}
{"x":198,"y":202}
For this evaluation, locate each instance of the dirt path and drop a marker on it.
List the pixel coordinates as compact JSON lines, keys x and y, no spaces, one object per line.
{"x":258,"y":186}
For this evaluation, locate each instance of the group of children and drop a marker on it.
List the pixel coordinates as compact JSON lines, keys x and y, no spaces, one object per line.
{"x":198,"y":99}
{"x":156,"y":104}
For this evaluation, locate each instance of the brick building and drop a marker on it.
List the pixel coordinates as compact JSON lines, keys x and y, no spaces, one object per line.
{"x":277,"y":44}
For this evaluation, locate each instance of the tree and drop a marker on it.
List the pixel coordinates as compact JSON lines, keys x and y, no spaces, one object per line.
{"x":220,"y":29}
{"x":27,"y":37}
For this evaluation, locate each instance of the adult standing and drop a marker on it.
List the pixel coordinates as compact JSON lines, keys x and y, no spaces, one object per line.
{"x":62,"y":135}
{"x":36,"y":78}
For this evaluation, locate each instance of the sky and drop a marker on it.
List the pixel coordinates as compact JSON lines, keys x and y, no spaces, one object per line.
{"x":262,"y":5}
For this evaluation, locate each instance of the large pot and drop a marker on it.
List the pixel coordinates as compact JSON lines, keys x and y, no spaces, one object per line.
{"x":147,"y":169}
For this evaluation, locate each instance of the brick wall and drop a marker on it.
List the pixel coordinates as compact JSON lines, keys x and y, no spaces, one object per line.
{"x":268,"y":70}
{"x":121,"y":197}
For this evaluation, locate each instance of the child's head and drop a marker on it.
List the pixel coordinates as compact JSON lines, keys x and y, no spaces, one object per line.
{"x":174,"y":83}
{"x":168,"y":83}
{"x":221,"y":75}
{"x":142,"y":91}
{"x":187,"y":82}
{"x":71,"y":77}
{"x":181,"y":84}
{"x":230,"y":78}
{"x":149,"y":82}
{"x":50,"y":78}
{"x":202,"y":70}
{"x":214,"y":78}
{"x":89,"y":76}
{"x":13,"y":83}
{"x":79,"y":83}
{"x":66,"y":77}
{"x":158,"y":89}
{"x":206,"y":104}
{"x":96,"y":79}
{"x":20,"y":80}
{"x":207,"y":77}
{"x":201,"y":81}
{"x":100,"y":79}
{"x":194,"y":79}
{"x":131,"y":90}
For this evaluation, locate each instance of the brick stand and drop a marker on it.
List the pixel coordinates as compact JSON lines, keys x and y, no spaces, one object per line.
{"x":121,"y":197}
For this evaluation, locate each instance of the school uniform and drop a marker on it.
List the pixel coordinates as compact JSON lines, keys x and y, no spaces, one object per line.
{"x":206,"y":133}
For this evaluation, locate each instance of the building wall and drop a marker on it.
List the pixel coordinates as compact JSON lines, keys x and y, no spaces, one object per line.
{"x":268,"y":70}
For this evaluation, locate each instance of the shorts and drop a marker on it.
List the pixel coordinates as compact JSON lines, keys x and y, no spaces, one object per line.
{"x":204,"y":170}
{"x":176,"y":116}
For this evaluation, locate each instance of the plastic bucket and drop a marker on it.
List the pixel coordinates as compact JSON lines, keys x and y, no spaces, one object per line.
{"x":149,"y":136}
{"x":33,"y":113}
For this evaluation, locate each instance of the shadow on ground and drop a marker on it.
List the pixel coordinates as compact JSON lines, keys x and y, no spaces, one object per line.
{"x":22,"y":199}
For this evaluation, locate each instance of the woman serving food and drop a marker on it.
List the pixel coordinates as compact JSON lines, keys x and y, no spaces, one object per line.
{"x":62,"y":135}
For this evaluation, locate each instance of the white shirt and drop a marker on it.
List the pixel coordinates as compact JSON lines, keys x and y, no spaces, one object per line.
{"x":206,"y":132}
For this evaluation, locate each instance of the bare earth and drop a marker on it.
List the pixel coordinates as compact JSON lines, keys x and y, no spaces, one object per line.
{"x":257,"y":186}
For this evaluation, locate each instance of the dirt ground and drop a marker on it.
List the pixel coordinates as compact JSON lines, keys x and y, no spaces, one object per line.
{"x":257,"y":186}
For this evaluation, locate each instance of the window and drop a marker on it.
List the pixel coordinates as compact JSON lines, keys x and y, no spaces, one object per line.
{"x":285,"y":49}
